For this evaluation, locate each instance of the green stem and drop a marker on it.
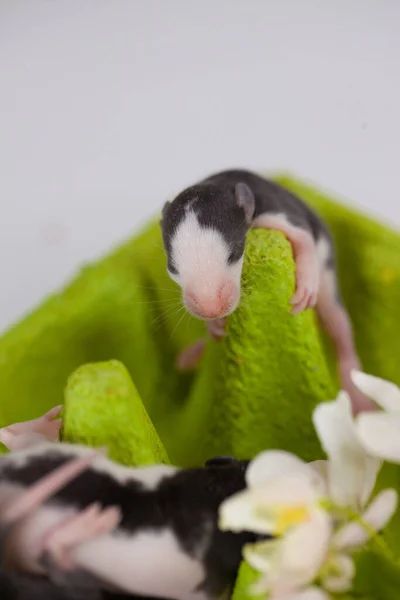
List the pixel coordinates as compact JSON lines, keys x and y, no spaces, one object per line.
{"x":352,"y":515}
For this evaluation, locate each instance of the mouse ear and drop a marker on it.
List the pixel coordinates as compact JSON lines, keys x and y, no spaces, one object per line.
{"x":220,"y":461}
{"x":244,"y":198}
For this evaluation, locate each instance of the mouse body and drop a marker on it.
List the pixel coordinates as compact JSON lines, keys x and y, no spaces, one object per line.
{"x":204,"y":233}
{"x":167,"y":542}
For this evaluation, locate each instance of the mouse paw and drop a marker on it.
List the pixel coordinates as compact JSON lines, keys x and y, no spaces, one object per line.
{"x":59,"y":543}
{"x":217,"y":328}
{"x":307,"y":286}
{"x":190,"y":357}
{"x":20,"y":435}
{"x":359,"y":402}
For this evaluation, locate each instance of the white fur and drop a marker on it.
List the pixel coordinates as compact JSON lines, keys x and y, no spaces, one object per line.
{"x":150,"y":563}
{"x":201,"y":257}
{"x":148,"y":476}
{"x":323,"y":251}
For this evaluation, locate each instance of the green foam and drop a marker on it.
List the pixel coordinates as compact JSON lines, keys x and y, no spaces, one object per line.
{"x":118,"y":326}
{"x":103,"y":408}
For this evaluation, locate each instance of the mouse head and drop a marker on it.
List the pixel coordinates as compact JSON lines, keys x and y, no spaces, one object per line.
{"x":204,"y":232}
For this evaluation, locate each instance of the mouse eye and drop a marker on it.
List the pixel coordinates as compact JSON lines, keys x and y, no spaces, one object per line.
{"x":235,"y":255}
{"x":236,"y":247}
{"x":172,"y":269}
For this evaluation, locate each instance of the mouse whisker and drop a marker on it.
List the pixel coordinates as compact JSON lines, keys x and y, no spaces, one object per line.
{"x":161,"y":301}
{"x":157,"y":288}
{"x":178,"y":323}
{"x":167,"y":315}
{"x":157,"y":245}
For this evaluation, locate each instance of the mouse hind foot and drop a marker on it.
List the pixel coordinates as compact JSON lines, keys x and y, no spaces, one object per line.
{"x":336,"y":322}
{"x":59,"y":543}
{"x":189,"y":358}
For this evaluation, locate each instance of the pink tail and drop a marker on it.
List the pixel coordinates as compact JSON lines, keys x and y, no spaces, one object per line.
{"x":48,"y":485}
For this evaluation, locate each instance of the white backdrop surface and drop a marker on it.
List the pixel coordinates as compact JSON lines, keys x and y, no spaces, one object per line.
{"x":109,"y":107}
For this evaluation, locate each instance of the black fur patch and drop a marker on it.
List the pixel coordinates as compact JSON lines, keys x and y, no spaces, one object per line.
{"x":215,"y":207}
{"x":214,"y":204}
{"x":221,"y":461}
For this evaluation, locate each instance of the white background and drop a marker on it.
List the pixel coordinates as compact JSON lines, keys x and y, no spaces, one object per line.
{"x":109,"y":107}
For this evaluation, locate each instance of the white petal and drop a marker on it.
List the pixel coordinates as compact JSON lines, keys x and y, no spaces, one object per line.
{"x":379,"y":433}
{"x":350,"y":537}
{"x":275,"y":462}
{"x":341,"y":578}
{"x":377,"y":515}
{"x":381,"y":509}
{"x":262,"y":508}
{"x":304,"y":549}
{"x":310,"y":593}
{"x":352,"y":473}
{"x":261,"y":555}
{"x":239,"y":513}
{"x":261,"y":587}
{"x":384,"y":393}
{"x":296,"y":558}
{"x":322,"y":468}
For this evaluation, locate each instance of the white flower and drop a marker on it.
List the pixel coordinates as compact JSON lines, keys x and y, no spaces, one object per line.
{"x":350,"y":472}
{"x":379,"y":432}
{"x":305,"y":506}
{"x":283,"y":498}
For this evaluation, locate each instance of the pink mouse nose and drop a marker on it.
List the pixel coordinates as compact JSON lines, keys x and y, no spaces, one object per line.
{"x":212,"y":306}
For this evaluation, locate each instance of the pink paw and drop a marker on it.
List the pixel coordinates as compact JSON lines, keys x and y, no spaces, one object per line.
{"x":359,"y":402}
{"x":216,"y":327}
{"x":307,"y":286}
{"x":20,"y":435}
{"x":190,"y":357}
{"x":59,"y":543}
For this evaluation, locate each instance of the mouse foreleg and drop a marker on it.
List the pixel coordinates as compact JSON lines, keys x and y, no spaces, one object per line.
{"x":305,"y":256}
{"x":21,"y":435}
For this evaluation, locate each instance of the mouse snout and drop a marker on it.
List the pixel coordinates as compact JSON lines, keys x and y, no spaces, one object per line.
{"x":209,"y":304}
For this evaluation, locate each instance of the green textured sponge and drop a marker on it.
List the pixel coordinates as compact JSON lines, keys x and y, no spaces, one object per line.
{"x":246,"y":579}
{"x":103,"y":408}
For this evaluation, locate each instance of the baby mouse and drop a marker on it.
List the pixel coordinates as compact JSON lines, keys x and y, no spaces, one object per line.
{"x":24,"y":586}
{"x":204,"y":232}
{"x":167,"y":543}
